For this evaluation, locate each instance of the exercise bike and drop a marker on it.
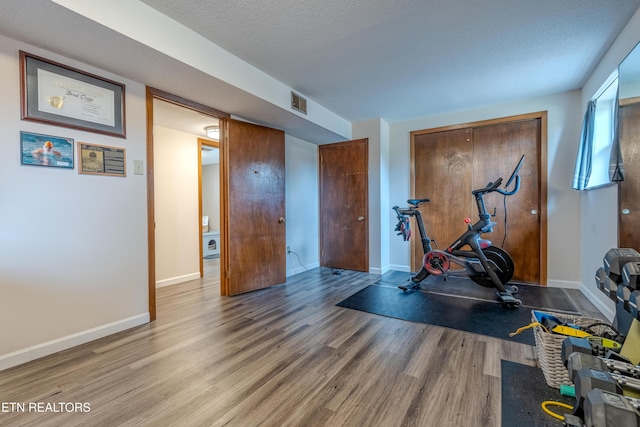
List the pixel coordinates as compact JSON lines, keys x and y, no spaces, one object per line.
{"x":486,"y":265}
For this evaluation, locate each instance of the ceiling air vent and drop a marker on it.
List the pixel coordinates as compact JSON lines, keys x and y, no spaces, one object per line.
{"x":298,"y":103}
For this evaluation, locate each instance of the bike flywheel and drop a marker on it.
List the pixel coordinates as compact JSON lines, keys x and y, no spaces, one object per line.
{"x":501,"y":262}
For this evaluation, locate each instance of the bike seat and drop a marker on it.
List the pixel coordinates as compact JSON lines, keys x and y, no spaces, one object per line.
{"x":416,"y":202}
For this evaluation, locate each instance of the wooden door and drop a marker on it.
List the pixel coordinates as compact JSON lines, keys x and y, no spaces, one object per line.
{"x":497,"y":150}
{"x":344,"y":205}
{"x":629,"y":189}
{"x":254,"y":208}
{"x":450,"y":163}
{"x":443,"y":165}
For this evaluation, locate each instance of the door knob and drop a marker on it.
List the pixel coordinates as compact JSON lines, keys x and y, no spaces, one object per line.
{"x":534,"y":211}
{"x":281,"y":220}
{"x":626,"y":211}
{"x":360,"y":218}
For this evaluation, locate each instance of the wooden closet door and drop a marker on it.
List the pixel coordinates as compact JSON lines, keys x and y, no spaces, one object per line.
{"x":498,"y":149}
{"x":449,"y":164}
{"x":443,"y":170}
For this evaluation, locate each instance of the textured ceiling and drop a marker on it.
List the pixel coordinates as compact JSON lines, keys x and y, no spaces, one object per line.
{"x":402,"y":59}
{"x":389,"y":59}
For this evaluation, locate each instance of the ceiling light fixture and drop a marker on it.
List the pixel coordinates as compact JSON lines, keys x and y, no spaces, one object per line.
{"x":213,"y":132}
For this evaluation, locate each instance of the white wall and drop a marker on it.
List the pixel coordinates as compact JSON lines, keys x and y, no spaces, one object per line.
{"x":176,"y":206}
{"x":73,"y":251}
{"x":563,"y":204}
{"x":599,"y":207}
{"x":211,"y":195}
{"x":377,"y":133}
{"x":301,"y":192}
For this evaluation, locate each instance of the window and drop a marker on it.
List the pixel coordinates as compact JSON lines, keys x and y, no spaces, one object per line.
{"x":592,"y":164}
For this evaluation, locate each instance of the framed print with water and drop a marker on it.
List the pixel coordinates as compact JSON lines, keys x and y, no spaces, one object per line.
{"x":46,"y":150}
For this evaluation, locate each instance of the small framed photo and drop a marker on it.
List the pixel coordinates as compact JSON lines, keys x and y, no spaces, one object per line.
{"x":101,"y":160}
{"x":46,"y":150}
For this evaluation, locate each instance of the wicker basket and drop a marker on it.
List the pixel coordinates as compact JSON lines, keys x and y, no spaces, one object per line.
{"x":549,"y":347}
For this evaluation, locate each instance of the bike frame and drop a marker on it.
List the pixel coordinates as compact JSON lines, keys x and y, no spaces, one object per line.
{"x":471,"y":237}
{"x":438,"y":262}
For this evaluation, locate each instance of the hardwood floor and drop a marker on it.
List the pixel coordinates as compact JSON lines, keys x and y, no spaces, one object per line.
{"x":285,"y":356}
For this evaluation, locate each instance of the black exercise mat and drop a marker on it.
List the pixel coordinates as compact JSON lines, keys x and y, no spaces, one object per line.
{"x":533,"y":296}
{"x":466,"y":314}
{"x":523,"y":391}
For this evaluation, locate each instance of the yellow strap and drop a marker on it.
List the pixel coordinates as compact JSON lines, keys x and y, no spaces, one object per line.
{"x":529,"y":326}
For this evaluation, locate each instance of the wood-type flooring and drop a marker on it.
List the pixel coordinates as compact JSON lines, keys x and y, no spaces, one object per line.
{"x":284,"y":356}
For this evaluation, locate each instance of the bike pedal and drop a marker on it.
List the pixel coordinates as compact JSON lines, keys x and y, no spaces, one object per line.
{"x":508,"y":300}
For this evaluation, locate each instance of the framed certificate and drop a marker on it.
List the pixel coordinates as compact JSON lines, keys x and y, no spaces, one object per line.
{"x":55,"y":94}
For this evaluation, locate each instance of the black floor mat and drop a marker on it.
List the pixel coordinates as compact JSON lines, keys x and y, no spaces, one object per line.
{"x":466,"y":314}
{"x":523,"y":391}
{"x":459,"y":303}
{"x":533,"y":296}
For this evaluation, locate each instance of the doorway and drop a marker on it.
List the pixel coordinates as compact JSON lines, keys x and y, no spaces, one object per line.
{"x":190,"y":119}
{"x":186,"y":192}
{"x":252,"y":160}
{"x":209,"y":206}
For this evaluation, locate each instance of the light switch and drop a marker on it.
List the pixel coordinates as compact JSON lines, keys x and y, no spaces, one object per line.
{"x":138,"y":167}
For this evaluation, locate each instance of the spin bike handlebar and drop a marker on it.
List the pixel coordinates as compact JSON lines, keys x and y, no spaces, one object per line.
{"x":478,"y":194}
{"x":495,"y":186}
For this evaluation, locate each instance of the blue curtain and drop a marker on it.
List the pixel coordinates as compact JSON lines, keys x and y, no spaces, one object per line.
{"x":583,"y":162}
{"x":616,"y":168}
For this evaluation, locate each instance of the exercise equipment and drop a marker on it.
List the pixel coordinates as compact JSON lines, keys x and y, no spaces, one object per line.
{"x":631,"y":275}
{"x":607,"y":409}
{"x":485,"y":264}
{"x":578,"y":361}
{"x":587,"y":380}
{"x":619,"y":278}
{"x":615,"y":259}
{"x":606,"y":388}
{"x":593,"y":345}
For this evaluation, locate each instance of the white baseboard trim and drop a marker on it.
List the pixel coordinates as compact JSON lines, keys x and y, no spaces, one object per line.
{"x":40,"y":350}
{"x":403,"y":268}
{"x":297,"y":270}
{"x":587,"y":292}
{"x":177,"y":279}
{"x":564,"y":284}
{"x":595,"y":300}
